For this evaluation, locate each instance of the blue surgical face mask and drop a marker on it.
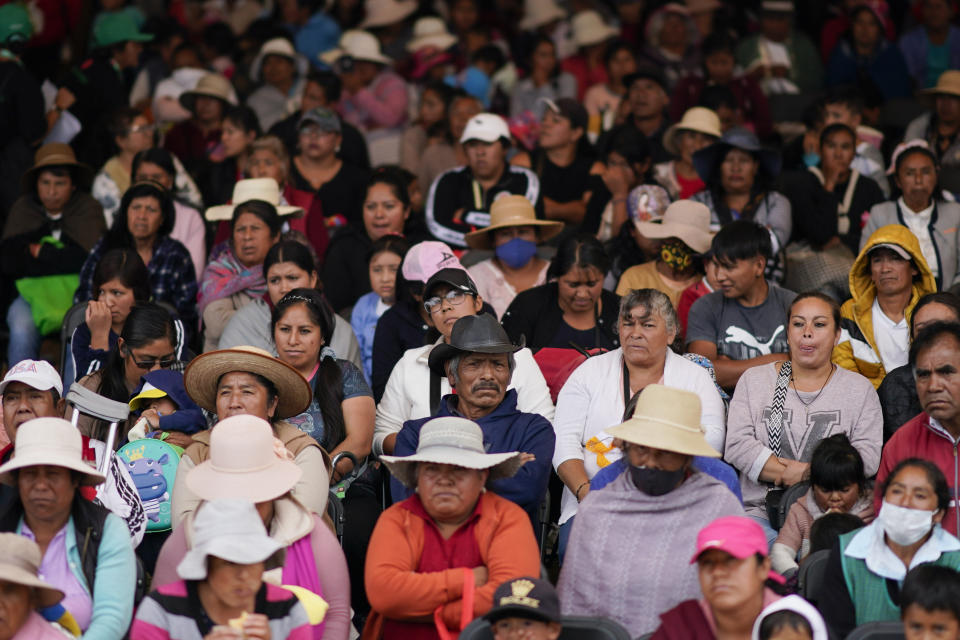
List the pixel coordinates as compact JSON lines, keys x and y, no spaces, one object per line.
{"x":811,"y":159}
{"x":516,"y":252}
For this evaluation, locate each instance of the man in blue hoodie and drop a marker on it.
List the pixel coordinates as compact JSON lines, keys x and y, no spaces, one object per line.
{"x":478,"y":362}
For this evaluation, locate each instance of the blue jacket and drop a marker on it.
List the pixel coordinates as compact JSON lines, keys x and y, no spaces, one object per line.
{"x":504,"y":430}
{"x":710,"y":466}
{"x":364,"y":318}
{"x":886,"y":67}
{"x":86,"y":360}
{"x":188,"y":417}
{"x":320,"y":33}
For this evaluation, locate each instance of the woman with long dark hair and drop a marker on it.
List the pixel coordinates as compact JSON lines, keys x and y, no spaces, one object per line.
{"x":228,"y":162}
{"x":544,"y":80}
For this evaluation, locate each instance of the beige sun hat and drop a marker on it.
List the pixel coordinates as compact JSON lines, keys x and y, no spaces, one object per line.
{"x":204,"y":372}
{"x":684,"y":219}
{"x":55,"y":154}
{"x":698,"y":119}
{"x":512,"y":211}
{"x":212,"y":85}
{"x":381,"y":13}
{"x":589,"y":28}
{"x":265,"y":189}
{"x":947,"y":84}
{"x":430,"y":32}
{"x":52,"y":442}
{"x":537,"y":13}
{"x":359,"y":45}
{"x":456,"y":441}
{"x":20,"y":564}
{"x":243,"y":463}
{"x":667,"y":419}
{"x":275,"y":47}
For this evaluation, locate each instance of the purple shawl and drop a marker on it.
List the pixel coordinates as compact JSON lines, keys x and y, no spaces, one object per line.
{"x":226,"y":276}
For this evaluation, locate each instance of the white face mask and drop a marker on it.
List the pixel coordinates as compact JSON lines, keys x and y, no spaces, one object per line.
{"x":905,"y":526}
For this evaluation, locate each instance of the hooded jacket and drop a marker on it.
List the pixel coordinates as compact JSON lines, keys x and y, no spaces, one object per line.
{"x":188,"y":418}
{"x":857,"y":349}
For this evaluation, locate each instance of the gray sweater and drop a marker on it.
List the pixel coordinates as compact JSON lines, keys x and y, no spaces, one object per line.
{"x":847,"y":404}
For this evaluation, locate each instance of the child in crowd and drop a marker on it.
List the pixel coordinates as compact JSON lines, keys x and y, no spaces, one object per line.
{"x":838,"y":486}
{"x":163,"y":406}
{"x":930,"y":603}
{"x":791,"y":618}
{"x":825,"y":530}
{"x":384,"y":262}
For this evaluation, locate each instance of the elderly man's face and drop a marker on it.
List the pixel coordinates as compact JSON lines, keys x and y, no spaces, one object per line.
{"x":240,"y":393}
{"x":22,"y":402}
{"x":46,"y":492}
{"x":16,"y":602}
{"x":938,"y":380}
{"x":483,"y":379}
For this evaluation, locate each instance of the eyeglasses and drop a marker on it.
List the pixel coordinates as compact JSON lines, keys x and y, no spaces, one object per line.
{"x":164,"y":363}
{"x":144,"y":128}
{"x":454,"y":297}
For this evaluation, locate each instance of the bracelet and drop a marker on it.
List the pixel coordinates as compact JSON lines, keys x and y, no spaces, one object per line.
{"x":576,"y":494}
{"x":617,"y":200}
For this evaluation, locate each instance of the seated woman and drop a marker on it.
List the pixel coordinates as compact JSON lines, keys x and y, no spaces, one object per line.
{"x":143,"y":223}
{"x":24,"y":591}
{"x":513,"y":235}
{"x":660,"y":491}
{"x":595,"y":393}
{"x":822,"y":398}
{"x":866,"y":567}
{"x":699,"y":128}
{"x":544,"y":80}
{"x":603,"y":100}
{"x":383,"y":263}
{"x":412,"y":580}
{"x":249,"y":381}
{"x":228,"y":161}
{"x":866,"y":57}
{"x":683,"y":238}
{"x":120,"y":281}
{"x":572,"y":307}
{"x":735,"y":580}
{"x":222,"y":584}
{"x":46,"y":471}
{"x":289,"y":264}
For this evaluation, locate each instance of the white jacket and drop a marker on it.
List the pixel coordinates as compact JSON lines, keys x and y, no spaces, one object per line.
{"x":407,"y":395}
{"x":592,"y":400}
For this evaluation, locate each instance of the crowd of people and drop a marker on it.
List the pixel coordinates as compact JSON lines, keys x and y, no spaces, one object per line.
{"x":386,"y":318}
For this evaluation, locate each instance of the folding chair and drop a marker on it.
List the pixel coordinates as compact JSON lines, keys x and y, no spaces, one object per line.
{"x":878,"y":631}
{"x":812,"y":570}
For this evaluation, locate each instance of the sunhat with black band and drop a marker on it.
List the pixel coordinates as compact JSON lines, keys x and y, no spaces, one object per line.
{"x":455,"y":441}
{"x":699,"y":119}
{"x":204,"y":372}
{"x":49,"y":442}
{"x":265,"y":189}
{"x":684,"y":219}
{"x":512,"y":211}
{"x":20,"y":564}
{"x":948,"y":84}
{"x":56,"y":154}
{"x":666,"y":419}
{"x":472,"y":334}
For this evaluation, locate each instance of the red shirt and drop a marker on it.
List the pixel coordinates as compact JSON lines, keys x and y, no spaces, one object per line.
{"x":689,"y":186}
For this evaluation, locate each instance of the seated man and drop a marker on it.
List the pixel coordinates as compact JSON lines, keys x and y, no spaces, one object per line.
{"x":743,"y":324}
{"x":888,"y":278}
{"x":478,"y":362}
{"x":459,"y":199}
{"x":933,"y":435}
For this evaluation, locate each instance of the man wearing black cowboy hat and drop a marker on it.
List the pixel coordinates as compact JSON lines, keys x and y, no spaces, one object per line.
{"x":478,"y":362}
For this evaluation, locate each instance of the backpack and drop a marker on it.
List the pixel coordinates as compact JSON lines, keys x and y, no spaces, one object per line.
{"x":152,"y":465}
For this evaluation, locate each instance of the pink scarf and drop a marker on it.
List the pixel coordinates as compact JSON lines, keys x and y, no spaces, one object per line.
{"x":300,"y":569}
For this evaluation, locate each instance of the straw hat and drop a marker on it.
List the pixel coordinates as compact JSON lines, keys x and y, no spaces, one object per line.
{"x":589,"y":28}
{"x":204,"y":372}
{"x":512,"y":211}
{"x":537,"y":13}
{"x":698,"y":119}
{"x":359,"y":45}
{"x":52,"y":442}
{"x":430,"y":32}
{"x":456,"y":441}
{"x":265,"y":189}
{"x":382,"y":13}
{"x":55,"y":154}
{"x":212,"y":85}
{"x":948,"y":84}
{"x":668,"y":419}
{"x":227,"y":529}
{"x":684,"y":219}
{"x":243,"y":463}
{"x":20,"y":564}
{"x":276,"y":47}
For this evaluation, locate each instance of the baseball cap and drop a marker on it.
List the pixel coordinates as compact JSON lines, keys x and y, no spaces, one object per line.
{"x":487,"y":127}
{"x":38,"y":374}
{"x":525,"y":598}
{"x":456,"y":278}
{"x":324,"y":118}
{"x":739,"y":536}
{"x":426,"y":258}
{"x":15,"y":25}
{"x":570,"y":109}
{"x":897,"y":249}
{"x":115,"y":27}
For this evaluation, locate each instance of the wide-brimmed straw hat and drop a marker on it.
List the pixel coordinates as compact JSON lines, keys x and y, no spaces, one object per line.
{"x":52,"y":442}
{"x":589,"y":28}
{"x":265,"y":189}
{"x":667,"y":419}
{"x":230,"y":530}
{"x":430,"y":32}
{"x":382,"y":13}
{"x":277,"y":47}
{"x":20,"y":564}
{"x":537,"y":13}
{"x":948,"y":84}
{"x":512,"y":211}
{"x":706,"y":160}
{"x":359,"y":45}
{"x":55,"y":154}
{"x":212,"y":85}
{"x":455,"y":441}
{"x":699,"y":119}
{"x":243,"y":463}
{"x":204,"y":372}
{"x":472,"y":334}
{"x":684,"y":219}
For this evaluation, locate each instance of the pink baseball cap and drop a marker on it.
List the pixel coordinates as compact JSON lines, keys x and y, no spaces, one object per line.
{"x":739,"y":536}
{"x":426,"y":258}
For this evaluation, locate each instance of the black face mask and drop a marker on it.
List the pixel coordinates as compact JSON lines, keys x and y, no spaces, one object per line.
{"x":656,"y":482}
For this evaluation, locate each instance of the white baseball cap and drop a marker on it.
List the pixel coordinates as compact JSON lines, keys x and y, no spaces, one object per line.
{"x":38,"y":374}
{"x":487,"y":127}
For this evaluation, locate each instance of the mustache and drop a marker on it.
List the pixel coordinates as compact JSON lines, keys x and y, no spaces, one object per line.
{"x":485,"y":385}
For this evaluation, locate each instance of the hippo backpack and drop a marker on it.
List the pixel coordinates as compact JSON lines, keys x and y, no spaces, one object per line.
{"x":153,"y":466}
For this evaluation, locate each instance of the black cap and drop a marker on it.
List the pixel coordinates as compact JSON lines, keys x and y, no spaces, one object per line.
{"x":525,"y":598}
{"x":456,"y":278}
{"x":648,"y":73}
{"x":480,"y":333}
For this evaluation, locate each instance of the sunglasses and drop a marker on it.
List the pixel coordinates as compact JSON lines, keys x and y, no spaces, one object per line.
{"x":164,"y":362}
{"x":454,"y":297}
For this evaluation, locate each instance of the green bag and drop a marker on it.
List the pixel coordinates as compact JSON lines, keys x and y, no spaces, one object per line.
{"x":49,"y":297}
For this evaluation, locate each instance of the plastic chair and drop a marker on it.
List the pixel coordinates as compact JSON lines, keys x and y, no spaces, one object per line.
{"x":574,"y":628}
{"x":71,"y":320}
{"x":812,"y":570}
{"x":890,"y":630}
{"x":791,"y":495}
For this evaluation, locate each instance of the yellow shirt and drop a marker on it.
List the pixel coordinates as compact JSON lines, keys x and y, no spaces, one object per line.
{"x":645,"y":276}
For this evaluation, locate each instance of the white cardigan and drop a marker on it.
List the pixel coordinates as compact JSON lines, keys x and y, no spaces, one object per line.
{"x":407,"y":394}
{"x":592,"y":400}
